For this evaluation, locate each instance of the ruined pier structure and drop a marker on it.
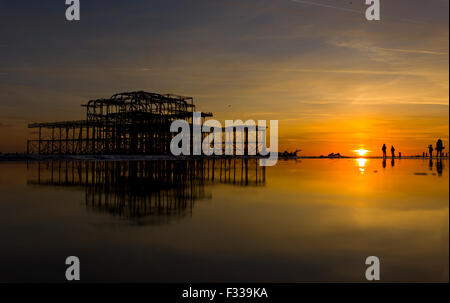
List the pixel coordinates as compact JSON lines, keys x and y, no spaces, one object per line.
{"x":132,"y":123}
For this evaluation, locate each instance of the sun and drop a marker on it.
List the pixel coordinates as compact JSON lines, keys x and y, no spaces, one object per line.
{"x":361,"y":152}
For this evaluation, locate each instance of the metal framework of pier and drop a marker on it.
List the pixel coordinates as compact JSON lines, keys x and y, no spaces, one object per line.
{"x":129,"y":123}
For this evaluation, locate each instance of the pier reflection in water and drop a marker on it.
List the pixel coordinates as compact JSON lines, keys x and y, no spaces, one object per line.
{"x":146,"y":192}
{"x":314,"y":220}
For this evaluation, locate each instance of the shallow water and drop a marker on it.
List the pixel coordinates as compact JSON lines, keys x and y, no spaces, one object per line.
{"x":164,"y":221}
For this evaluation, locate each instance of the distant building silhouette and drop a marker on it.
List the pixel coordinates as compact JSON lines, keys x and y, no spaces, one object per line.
{"x":333,"y":155}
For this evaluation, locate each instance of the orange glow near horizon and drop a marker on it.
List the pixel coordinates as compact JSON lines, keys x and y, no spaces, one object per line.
{"x":361,"y":152}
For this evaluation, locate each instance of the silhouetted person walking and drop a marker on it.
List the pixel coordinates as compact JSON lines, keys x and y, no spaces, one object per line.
{"x":439,"y":148}
{"x":430,"y":150}
{"x":393,"y":151}
{"x":384,"y":150}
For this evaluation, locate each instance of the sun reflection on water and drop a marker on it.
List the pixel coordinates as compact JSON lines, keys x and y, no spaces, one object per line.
{"x":361,"y":164}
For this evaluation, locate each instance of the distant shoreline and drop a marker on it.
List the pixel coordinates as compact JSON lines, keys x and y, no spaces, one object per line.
{"x":35,"y":158}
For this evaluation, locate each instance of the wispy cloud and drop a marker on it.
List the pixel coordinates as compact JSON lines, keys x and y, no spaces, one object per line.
{"x":414,"y":51}
{"x":354,"y":11}
{"x":328,"y":6}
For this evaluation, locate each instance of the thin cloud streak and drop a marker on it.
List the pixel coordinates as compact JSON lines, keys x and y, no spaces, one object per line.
{"x":354,"y":11}
{"x":327,"y":6}
{"x":414,"y":51}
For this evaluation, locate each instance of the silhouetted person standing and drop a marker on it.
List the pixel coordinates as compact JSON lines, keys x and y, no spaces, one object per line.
{"x":399,"y":155}
{"x":384,"y":150}
{"x":439,"y":148}
{"x":430,"y":150}
{"x":393,"y":151}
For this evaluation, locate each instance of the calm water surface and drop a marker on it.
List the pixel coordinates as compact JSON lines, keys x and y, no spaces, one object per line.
{"x":165,"y":221}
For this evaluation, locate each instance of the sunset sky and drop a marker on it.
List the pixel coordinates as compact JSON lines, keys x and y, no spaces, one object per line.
{"x":335,"y":81}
